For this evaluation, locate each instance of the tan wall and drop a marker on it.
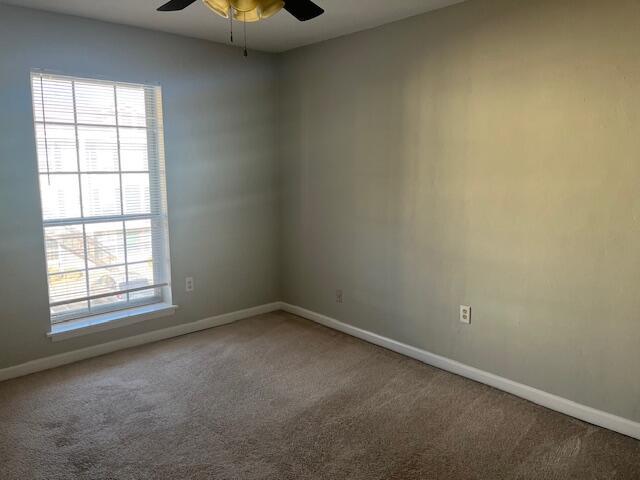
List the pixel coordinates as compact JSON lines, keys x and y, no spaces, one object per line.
{"x":485,"y":154}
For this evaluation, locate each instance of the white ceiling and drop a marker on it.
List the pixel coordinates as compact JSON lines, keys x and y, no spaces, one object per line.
{"x":276,"y":34}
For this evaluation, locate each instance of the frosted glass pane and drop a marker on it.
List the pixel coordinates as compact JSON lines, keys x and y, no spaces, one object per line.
{"x":64,"y":248}
{"x":141,"y":275}
{"x":133,"y":149}
{"x":67,"y":286}
{"x":60,"y":143}
{"x":101,"y":304}
{"x":142,"y":294}
{"x":60,"y":196}
{"x":139,"y":243}
{"x":136,"y":193}
{"x":101,"y":194}
{"x":106,"y":280}
{"x":95,"y":103}
{"x":131,"y":106}
{"x":58,"y":100}
{"x":105,"y":244}
{"x":98,"y":148}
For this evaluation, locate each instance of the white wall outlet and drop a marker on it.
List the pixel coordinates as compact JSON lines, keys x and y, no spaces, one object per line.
{"x":188,"y":284}
{"x":465,"y":314}
{"x":339,"y":296}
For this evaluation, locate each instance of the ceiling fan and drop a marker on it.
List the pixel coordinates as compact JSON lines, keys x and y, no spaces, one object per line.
{"x":250,"y":10}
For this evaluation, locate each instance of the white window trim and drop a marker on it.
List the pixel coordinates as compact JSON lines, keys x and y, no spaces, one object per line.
{"x":135,"y":313}
{"x":108,"y":321}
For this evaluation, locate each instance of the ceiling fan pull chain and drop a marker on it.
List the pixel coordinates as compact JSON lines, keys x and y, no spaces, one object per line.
{"x":231,"y":22}
{"x":244,"y":18}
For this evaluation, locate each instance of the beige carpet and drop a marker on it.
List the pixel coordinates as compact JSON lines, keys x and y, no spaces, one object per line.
{"x":278,"y":397}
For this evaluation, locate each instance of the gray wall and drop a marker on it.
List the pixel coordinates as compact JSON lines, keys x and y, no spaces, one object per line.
{"x":220,"y":116}
{"x":485,"y":154}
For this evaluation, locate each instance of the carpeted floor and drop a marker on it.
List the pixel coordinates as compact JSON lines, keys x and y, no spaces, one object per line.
{"x":278,"y":397}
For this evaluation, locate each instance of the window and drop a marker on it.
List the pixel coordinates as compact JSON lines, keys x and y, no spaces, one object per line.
{"x":102,"y":186}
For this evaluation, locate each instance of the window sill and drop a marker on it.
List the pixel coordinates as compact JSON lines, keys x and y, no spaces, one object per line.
{"x":108,"y":321}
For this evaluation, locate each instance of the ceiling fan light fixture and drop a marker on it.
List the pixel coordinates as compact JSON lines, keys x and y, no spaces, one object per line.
{"x":245,"y":10}
{"x":250,"y":10}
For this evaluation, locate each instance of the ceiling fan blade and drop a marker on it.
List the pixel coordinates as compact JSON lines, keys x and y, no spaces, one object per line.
{"x":303,"y":10}
{"x":174,"y":5}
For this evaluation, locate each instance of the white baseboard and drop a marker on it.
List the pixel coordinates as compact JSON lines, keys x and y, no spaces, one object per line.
{"x":553,"y":402}
{"x":153,"y":336}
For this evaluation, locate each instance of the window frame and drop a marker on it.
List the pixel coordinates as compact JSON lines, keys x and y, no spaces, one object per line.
{"x":157,"y":215}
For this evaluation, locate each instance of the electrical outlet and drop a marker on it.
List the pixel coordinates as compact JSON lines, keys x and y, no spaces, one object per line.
{"x":188,"y":284}
{"x":465,"y":314}
{"x":339,"y":296}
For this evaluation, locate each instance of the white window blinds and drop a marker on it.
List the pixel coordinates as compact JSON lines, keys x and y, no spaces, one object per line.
{"x":102,"y":186}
